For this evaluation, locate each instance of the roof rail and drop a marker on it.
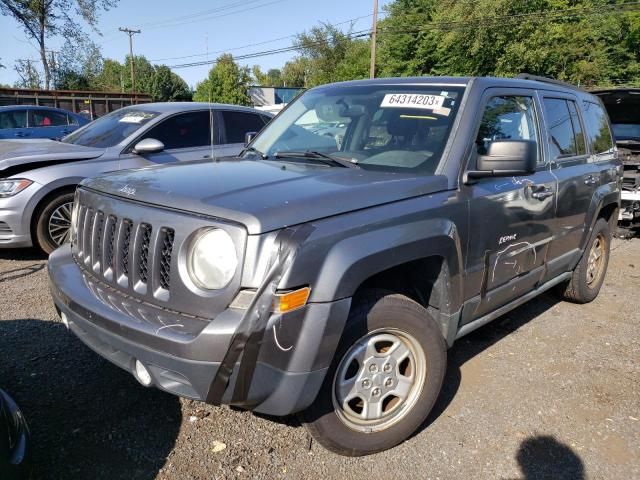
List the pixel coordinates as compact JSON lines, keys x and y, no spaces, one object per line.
{"x":537,"y":78}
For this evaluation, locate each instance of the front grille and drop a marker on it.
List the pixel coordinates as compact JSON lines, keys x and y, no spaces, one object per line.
{"x":124,"y":252}
{"x":166,"y":249}
{"x":143,"y":265}
{"x":5,"y":229}
{"x":136,"y":249}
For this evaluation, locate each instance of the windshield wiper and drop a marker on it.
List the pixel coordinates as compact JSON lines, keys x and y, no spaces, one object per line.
{"x":313,"y":155}
{"x":253,"y":150}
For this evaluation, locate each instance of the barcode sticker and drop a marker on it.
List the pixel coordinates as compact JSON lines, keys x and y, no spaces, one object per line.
{"x":412,"y":100}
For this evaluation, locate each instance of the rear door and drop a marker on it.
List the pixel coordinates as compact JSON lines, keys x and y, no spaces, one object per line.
{"x":234,"y":126}
{"x":48,"y":124}
{"x":577,"y":178}
{"x":511,"y":218}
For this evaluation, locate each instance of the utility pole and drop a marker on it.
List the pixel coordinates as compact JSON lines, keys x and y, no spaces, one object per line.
{"x":131,"y":33}
{"x":374,"y":34}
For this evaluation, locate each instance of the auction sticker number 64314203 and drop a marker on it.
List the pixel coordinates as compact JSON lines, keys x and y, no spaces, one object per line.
{"x":413,"y":100}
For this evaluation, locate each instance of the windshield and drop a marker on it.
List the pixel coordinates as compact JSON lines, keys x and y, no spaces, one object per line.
{"x":111,"y":129}
{"x":626,"y":131}
{"x":379,"y":127}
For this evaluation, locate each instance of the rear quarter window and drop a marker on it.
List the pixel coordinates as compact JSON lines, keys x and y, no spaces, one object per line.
{"x":597,"y":125}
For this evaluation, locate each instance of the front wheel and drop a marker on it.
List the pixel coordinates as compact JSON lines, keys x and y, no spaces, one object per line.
{"x":385,"y":377}
{"x":53,"y":222}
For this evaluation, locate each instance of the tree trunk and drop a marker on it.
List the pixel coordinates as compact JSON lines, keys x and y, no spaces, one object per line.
{"x":43,"y":51}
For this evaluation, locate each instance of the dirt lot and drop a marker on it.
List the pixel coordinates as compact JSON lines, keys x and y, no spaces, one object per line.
{"x":551,"y":390}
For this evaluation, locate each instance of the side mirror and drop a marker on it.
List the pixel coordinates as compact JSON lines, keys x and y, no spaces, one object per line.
{"x":148,"y":145}
{"x":506,"y":158}
{"x":248,"y":137}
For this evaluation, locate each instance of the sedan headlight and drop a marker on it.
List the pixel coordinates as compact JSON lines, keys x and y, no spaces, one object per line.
{"x":212,"y":259}
{"x":10,"y":187}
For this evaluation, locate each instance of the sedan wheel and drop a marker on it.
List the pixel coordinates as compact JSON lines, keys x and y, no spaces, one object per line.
{"x":60,"y":224}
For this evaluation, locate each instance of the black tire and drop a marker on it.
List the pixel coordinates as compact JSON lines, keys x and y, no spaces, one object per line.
{"x":43,"y":237}
{"x":583,"y":287}
{"x":373,"y":311}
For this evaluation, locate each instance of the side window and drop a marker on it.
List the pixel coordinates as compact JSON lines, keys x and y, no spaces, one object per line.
{"x":237,"y":124}
{"x":565,"y":135}
{"x":48,"y":118}
{"x":597,"y":126}
{"x":13,"y":119}
{"x":577,"y":128}
{"x":507,"y":117}
{"x":186,"y":130}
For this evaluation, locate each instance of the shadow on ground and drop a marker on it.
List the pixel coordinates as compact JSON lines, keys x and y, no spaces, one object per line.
{"x":545,"y":458}
{"x":22,"y":254}
{"x":88,"y":418}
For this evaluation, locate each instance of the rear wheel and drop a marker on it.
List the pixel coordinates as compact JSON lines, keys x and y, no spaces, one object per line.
{"x":53,"y":223}
{"x":384,"y":380}
{"x":588,"y":276}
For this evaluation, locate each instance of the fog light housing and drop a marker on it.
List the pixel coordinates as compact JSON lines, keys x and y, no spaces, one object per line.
{"x":142,"y":374}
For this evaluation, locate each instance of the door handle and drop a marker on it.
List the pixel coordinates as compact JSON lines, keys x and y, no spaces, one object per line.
{"x":592,"y":180}
{"x":541,"y":192}
{"x":21,"y":134}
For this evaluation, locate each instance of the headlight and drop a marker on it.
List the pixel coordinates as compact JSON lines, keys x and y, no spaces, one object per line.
{"x":9,"y":188}
{"x":212,"y":259}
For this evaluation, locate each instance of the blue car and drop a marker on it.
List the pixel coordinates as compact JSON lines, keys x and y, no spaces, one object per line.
{"x":30,"y":121}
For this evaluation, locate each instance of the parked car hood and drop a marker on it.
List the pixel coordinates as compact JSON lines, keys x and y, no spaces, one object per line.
{"x":264,"y":195}
{"x":21,"y":155}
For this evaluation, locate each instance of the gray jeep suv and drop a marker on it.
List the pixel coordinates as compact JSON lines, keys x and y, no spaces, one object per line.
{"x":328,"y":276}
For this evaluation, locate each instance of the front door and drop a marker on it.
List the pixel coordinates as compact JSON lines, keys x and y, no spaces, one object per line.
{"x":511,"y":218}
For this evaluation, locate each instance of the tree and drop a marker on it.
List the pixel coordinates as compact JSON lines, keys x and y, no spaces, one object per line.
{"x":589,"y":45}
{"x":328,"y":53}
{"x":78,"y":65}
{"x":169,"y":87}
{"x":43,"y":19}
{"x":227,"y":82}
{"x":294,"y":73}
{"x":111,"y":77}
{"x":28,"y":74}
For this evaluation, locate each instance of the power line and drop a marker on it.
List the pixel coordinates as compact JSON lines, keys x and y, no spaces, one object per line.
{"x":457,"y":25}
{"x":253,"y":44}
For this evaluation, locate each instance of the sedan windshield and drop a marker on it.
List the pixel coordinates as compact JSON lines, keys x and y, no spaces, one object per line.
{"x":376,"y":127}
{"x":111,"y":129}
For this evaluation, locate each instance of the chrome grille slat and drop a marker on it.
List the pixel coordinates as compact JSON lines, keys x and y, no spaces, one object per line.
{"x":126,"y":245}
{"x":166,"y":250}
{"x":96,"y":241}
{"x":110,"y":239}
{"x":143,"y":252}
{"x":88,"y":234}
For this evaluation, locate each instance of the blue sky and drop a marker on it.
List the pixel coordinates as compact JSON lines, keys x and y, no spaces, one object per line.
{"x":228,"y":24}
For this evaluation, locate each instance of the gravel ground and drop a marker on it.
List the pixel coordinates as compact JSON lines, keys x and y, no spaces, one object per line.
{"x":551,"y":390}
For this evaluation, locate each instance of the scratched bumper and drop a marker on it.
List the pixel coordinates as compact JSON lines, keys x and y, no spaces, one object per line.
{"x":183,"y":353}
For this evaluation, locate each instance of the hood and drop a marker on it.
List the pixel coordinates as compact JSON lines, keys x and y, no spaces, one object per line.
{"x":18,"y":156}
{"x":264,"y":195}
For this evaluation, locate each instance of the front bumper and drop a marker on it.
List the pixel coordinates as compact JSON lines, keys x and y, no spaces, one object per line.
{"x":13,"y":231}
{"x":183,"y":353}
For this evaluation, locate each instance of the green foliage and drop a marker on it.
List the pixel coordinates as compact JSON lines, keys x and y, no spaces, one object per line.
{"x":331,"y":55}
{"x":294,"y":73}
{"x":507,"y":37}
{"x":77,"y":66}
{"x":43,"y":19}
{"x":169,"y":87}
{"x":227,"y":82}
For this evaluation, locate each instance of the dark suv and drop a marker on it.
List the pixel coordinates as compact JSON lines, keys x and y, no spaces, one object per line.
{"x":327,"y":275}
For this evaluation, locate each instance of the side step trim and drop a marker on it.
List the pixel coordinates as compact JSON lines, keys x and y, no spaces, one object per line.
{"x":470,"y":327}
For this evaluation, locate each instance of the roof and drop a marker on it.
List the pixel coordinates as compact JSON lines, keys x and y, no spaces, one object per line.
{"x":171,"y":107}
{"x":539,"y":84}
{"x":35,"y":107}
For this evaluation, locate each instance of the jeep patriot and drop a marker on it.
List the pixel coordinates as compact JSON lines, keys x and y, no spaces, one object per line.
{"x":326,"y":270}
